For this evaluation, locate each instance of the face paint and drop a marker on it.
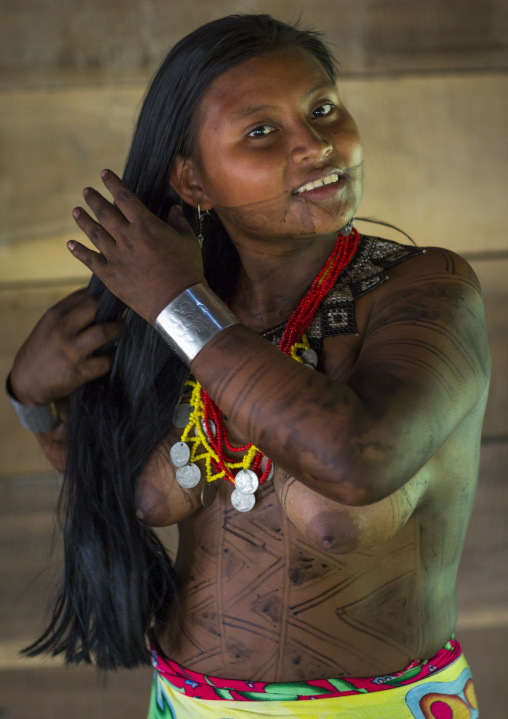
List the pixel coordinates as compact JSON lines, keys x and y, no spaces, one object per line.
{"x":278,"y":215}
{"x":293,"y":130}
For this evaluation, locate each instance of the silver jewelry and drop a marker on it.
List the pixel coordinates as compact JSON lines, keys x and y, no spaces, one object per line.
{"x":310,"y":358}
{"x":192,"y":319}
{"x":242,"y":502}
{"x":211,"y":425}
{"x":347,"y":229}
{"x":188,"y":476}
{"x":182,"y":414}
{"x":246,"y":481}
{"x":40,"y":418}
{"x":201,"y":216}
{"x":179,"y":454}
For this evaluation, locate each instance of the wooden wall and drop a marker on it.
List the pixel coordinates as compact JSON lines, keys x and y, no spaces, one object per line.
{"x":44,"y":41}
{"x":428,"y":85}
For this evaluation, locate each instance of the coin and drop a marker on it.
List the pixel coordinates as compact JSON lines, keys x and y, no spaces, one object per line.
{"x":264,"y":462}
{"x":242,"y":502}
{"x":246,"y":481}
{"x":309,"y":357}
{"x":208,"y":494}
{"x":179,"y":454}
{"x":188,"y":476}
{"x":211,"y":424}
{"x":181,"y":415}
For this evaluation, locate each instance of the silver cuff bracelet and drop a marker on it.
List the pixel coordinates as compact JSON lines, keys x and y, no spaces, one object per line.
{"x":40,"y":418}
{"x":192,"y":319}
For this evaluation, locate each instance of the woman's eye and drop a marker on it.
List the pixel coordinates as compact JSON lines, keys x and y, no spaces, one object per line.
{"x":261,"y":131}
{"x":325,"y":109}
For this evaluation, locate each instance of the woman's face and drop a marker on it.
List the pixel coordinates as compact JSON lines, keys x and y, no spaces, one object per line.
{"x":280,"y":156}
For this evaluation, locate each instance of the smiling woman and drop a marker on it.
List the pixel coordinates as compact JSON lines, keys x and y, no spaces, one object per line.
{"x":292,"y":162}
{"x":305,"y":402}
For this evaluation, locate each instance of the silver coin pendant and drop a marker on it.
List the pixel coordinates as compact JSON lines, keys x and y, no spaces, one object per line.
{"x":179,"y":454}
{"x":188,"y":476}
{"x":211,"y":424}
{"x":246,"y":481}
{"x":242,"y":502}
{"x":309,"y":357}
{"x":182,"y":415}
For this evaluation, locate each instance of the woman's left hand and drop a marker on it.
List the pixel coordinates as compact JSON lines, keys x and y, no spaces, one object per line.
{"x":145,"y":262}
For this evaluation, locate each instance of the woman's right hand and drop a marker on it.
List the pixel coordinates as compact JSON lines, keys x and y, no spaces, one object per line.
{"x":58,"y":355}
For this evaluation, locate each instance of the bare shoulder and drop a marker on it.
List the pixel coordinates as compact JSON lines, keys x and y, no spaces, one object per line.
{"x":434,"y":302}
{"x":435,"y":263}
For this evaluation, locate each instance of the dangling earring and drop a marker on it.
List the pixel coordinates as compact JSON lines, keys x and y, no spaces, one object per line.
{"x":347,"y":229}
{"x":201,"y":216}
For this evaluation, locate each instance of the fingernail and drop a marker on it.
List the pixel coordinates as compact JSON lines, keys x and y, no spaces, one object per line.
{"x":76,"y":212}
{"x":104,"y":174}
{"x":71,"y":245}
{"x":86,"y":191}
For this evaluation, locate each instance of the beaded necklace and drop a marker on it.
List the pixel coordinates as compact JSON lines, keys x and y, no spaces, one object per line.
{"x":205,"y":436}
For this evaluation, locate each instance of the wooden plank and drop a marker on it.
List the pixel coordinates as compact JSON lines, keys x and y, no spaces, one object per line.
{"x":79,"y":692}
{"x":435,"y":160}
{"x":48,"y":41}
{"x":50,"y":161}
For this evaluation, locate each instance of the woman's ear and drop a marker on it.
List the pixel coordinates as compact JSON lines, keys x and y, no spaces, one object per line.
{"x":184,"y":179}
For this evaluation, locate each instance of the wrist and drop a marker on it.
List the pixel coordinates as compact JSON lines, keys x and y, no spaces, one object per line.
{"x":192,"y":319}
{"x":34,"y":417}
{"x":18,"y":392}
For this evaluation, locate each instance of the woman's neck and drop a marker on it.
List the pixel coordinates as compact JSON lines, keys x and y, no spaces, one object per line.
{"x":275,"y":277}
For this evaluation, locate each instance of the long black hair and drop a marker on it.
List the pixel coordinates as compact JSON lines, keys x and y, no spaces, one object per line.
{"x":118,"y":577}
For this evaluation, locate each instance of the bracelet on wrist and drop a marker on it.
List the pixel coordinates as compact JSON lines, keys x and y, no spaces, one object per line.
{"x":192,"y":319}
{"x":38,"y":418}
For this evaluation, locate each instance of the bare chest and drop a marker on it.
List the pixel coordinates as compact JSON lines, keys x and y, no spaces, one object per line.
{"x":260,"y":600}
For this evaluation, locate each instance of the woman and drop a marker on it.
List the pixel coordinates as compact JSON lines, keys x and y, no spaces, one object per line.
{"x":342,"y":563}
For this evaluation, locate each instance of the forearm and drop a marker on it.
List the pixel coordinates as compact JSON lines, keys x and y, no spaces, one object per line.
{"x":301,"y":419}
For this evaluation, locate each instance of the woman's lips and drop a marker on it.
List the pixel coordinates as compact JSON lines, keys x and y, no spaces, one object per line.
{"x":324,"y":191}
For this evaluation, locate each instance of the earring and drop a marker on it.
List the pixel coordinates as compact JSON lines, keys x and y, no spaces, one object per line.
{"x":201,"y":216}
{"x":347,"y":229}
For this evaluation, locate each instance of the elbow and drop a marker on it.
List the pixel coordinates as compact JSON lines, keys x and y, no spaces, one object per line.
{"x":358,"y":479}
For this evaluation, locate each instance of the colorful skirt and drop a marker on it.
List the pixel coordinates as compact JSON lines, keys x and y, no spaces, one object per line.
{"x":438,"y":688}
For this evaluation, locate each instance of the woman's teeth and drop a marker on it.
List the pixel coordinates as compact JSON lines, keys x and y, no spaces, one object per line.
{"x":318,"y":183}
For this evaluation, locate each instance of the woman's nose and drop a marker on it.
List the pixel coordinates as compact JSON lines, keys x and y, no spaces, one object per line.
{"x":310,"y":144}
